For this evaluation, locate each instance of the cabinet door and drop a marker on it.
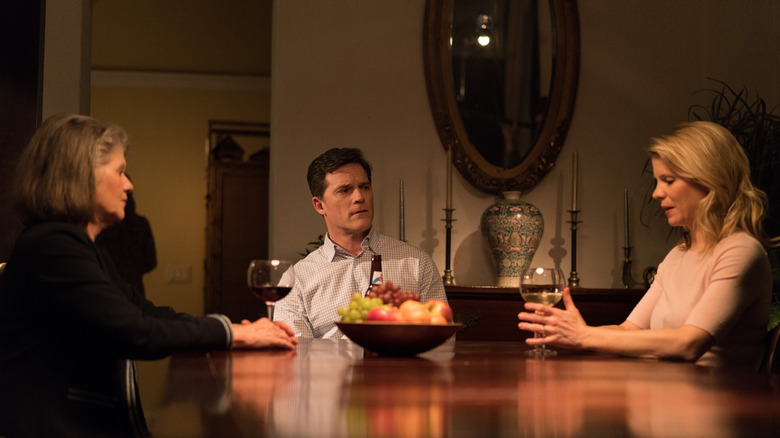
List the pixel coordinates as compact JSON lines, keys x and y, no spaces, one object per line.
{"x":237,"y":233}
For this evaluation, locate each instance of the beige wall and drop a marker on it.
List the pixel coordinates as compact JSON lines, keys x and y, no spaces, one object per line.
{"x":362,"y":84}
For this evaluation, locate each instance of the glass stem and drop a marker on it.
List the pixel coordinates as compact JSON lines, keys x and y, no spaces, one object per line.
{"x":538,"y":335}
{"x":270,"y":306}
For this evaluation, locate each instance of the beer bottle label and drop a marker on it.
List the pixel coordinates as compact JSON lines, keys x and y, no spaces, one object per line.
{"x":376,"y":278}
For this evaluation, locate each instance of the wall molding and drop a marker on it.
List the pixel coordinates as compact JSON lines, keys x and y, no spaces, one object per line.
{"x":145,"y":79}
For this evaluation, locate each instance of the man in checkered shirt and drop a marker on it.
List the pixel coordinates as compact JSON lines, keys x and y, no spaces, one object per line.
{"x":340,"y":184}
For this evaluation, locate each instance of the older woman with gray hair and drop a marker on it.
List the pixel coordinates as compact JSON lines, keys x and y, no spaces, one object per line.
{"x":70,"y":328}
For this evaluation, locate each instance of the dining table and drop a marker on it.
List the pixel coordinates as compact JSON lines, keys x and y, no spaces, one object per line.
{"x":335,"y":388}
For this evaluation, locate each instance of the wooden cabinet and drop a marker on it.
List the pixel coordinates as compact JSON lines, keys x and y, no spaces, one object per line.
{"x":237,"y":229}
{"x":489,"y":313}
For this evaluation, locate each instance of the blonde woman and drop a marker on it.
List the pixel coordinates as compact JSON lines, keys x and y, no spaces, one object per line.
{"x":710,"y":300}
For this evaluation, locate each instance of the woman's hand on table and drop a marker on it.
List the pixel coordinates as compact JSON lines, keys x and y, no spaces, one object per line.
{"x":566,"y":328}
{"x":561,"y":327}
{"x":263,"y":333}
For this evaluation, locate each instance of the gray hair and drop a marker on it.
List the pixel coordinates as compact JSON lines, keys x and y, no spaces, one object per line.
{"x":55,"y":176}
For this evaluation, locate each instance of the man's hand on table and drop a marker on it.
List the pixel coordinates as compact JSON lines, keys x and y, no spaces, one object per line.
{"x":263,"y":333}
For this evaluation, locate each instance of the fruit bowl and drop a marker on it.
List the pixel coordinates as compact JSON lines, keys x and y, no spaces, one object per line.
{"x":395,"y":339}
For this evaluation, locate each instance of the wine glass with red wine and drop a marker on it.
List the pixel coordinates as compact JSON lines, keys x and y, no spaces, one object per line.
{"x":270,"y":280}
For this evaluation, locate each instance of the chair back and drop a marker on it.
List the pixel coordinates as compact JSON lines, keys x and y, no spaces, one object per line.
{"x":771,"y":362}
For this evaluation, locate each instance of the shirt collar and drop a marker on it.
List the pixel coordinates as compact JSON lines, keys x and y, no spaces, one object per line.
{"x":332,"y":250}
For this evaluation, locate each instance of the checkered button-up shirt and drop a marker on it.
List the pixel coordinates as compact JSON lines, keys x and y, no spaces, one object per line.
{"x":326,"y":279}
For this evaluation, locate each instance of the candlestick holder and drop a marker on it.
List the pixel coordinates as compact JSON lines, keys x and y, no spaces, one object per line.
{"x":402,"y":212}
{"x":449,"y":280}
{"x":574,"y":280}
{"x":628,"y":279}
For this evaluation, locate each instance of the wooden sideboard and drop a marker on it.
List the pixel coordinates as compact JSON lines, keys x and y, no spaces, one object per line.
{"x":489,"y":313}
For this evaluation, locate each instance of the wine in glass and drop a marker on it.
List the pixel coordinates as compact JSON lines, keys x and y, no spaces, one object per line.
{"x":544,"y":286}
{"x":270,"y":280}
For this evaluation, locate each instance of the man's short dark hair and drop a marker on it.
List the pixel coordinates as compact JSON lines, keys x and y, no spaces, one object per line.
{"x":329,"y":162}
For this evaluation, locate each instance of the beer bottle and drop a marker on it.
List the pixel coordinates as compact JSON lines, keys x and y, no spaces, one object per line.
{"x":376,"y":272}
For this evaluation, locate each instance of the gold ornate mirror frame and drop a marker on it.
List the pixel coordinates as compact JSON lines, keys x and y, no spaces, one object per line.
{"x":441,"y":93}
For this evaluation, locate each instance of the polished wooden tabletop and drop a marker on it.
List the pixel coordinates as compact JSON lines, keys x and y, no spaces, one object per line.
{"x":330,"y":388}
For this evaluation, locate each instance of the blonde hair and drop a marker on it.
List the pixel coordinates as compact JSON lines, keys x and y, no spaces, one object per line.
{"x":707,"y":154}
{"x":56,"y":172}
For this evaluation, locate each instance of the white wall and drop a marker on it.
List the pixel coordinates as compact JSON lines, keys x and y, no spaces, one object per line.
{"x":359,"y":81}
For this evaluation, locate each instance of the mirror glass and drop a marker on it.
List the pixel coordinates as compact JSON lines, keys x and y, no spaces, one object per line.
{"x":501,"y":65}
{"x":502,"y":77}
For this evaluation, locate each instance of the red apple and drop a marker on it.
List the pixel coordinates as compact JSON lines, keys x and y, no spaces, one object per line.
{"x":384,"y":313}
{"x":439,"y":310}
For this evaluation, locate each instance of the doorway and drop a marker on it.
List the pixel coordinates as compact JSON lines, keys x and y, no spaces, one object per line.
{"x":237,"y":216}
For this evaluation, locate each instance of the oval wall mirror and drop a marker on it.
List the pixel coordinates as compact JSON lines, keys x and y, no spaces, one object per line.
{"x":502,"y":82}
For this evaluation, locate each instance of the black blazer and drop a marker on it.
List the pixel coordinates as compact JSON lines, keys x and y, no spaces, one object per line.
{"x":69,"y":331}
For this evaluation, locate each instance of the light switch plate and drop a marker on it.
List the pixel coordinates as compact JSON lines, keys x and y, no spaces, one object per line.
{"x":178,"y":274}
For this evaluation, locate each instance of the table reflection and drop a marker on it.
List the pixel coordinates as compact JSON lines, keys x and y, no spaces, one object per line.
{"x":700,"y":402}
{"x":547,"y":406}
{"x":381,"y":401}
{"x":332,"y":388}
{"x":569,"y":398}
{"x":314,"y":394}
{"x":254,"y":384}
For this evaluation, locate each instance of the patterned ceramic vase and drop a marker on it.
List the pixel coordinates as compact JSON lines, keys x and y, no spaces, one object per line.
{"x":513,"y":230}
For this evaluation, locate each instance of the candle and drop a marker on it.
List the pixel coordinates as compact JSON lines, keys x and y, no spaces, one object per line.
{"x":574,"y":182}
{"x":625,"y":214}
{"x":402,"y":232}
{"x":449,"y":178}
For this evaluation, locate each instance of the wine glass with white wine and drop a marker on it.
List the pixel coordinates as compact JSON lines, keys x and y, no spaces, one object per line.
{"x":544,"y":286}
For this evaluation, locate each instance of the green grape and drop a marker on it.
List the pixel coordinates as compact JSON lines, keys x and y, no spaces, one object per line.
{"x":354,"y":315}
{"x":359,"y":307}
